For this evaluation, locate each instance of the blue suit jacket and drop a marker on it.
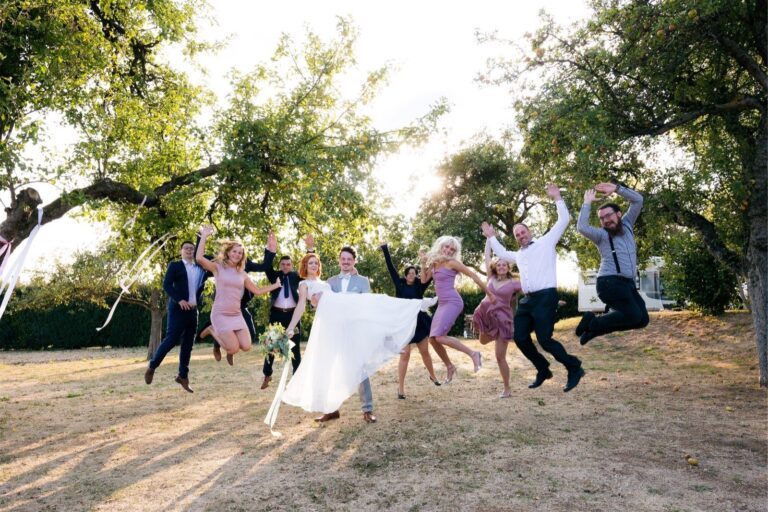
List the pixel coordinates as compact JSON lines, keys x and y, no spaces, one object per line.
{"x":176,"y":284}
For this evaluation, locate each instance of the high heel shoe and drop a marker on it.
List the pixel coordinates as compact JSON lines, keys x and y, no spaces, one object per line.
{"x":400,"y":397}
{"x":479,"y":361}
{"x":451,"y":374}
{"x":433,"y":381}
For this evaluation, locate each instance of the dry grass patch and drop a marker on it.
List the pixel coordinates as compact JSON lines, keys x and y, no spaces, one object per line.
{"x":79,"y":430}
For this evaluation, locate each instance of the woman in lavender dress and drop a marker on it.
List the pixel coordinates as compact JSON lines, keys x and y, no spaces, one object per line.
{"x":443,"y":264}
{"x":494,"y":321}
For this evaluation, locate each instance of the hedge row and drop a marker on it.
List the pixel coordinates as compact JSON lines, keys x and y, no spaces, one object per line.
{"x":74,"y":325}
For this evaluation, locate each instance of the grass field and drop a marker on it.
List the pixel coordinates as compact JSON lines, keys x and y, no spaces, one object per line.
{"x":79,"y":430}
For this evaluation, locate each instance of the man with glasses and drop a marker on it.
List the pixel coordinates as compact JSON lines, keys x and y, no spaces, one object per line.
{"x":625,"y":308}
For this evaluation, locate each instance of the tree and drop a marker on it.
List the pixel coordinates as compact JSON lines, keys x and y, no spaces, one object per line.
{"x":642,"y":77}
{"x":484,"y":181}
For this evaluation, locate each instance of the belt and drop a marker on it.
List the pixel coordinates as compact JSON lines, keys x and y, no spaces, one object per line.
{"x":537,"y":292}
{"x":283,"y":310}
{"x":616,"y":276}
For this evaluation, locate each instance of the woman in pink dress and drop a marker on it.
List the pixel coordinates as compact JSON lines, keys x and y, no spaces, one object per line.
{"x":495,"y":320}
{"x":443,"y":263}
{"x":229,"y":327}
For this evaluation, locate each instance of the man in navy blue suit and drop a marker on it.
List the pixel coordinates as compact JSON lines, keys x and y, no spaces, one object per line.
{"x":183,"y":283}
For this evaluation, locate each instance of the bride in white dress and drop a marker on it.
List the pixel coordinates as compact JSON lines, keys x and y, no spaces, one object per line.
{"x":352,"y":336}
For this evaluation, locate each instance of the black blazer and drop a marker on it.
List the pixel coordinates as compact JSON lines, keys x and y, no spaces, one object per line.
{"x":176,"y":284}
{"x":293,"y":281}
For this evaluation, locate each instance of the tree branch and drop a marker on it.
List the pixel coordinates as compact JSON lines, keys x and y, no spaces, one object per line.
{"x":748,"y":103}
{"x":743,"y":58}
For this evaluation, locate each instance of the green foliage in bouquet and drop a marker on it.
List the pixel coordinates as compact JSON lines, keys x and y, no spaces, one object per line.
{"x":274,"y":341}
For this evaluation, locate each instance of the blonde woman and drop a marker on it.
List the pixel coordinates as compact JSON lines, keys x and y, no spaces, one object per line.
{"x":229,"y":327}
{"x":443,"y":264}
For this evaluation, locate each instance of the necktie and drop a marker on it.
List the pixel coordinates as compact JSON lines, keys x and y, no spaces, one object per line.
{"x":286,"y":287}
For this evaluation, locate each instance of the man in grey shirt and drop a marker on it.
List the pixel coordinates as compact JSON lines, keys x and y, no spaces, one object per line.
{"x":618,"y":263}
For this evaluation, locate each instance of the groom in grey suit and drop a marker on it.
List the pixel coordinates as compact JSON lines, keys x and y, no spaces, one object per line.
{"x":348,"y":281}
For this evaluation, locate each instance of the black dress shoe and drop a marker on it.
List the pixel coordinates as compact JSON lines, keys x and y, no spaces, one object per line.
{"x":540,"y":378}
{"x":584,"y":323}
{"x":574,"y":376}
{"x":586,"y":336}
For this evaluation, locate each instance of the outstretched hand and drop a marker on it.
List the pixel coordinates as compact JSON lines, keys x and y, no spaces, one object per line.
{"x":553,"y":191}
{"x":488,"y":230}
{"x":606,"y":188}
{"x":206,"y":230}
{"x":271,"y":242}
{"x":589,"y":196}
{"x":309,"y":242}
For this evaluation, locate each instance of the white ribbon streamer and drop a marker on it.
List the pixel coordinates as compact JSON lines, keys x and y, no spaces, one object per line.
{"x":7,"y":285}
{"x":138,"y":265}
{"x":130,"y":222}
{"x":6,"y":246}
{"x":275,"y":407}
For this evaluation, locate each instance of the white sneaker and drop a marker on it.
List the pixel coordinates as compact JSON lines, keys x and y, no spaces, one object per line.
{"x":428,"y":302}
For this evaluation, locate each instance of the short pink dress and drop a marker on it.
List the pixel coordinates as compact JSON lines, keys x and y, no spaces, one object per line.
{"x":496,"y":320}
{"x":226,"y":314}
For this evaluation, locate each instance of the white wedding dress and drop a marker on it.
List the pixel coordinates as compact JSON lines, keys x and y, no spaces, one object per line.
{"x":352,"y":336}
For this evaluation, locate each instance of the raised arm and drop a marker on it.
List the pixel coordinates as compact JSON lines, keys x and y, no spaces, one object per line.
{"x":634,"y":198}
{"x":300,"y":306}
{"x":388,"y":260}
{"x":563,"y":217}
{"x":582,"y":225}
{"x":261,"y":290}
{"x":487,"y":257}
{"x":269,"y":257}
{"x":208,"y":265}
{"x":498,"y":249}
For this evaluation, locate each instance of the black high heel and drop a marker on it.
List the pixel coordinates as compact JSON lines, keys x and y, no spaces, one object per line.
{"x":435,"y":382}
{"x":401,"y":397}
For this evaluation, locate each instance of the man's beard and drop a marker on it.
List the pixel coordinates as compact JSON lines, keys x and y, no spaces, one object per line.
{"x":617,"y":230}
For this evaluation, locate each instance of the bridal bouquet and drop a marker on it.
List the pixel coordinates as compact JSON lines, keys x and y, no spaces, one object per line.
{"x":274,"y":341}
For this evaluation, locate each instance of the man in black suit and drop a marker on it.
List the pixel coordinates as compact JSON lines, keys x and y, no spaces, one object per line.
{"x":250,"y":266}
{"x":283,"y":301}
{"x":183,"y":283}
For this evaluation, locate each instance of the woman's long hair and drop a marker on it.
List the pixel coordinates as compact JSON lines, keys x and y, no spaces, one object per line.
{"x":224,"y":248}
{"x":304,"y":264}
{"x":435,"y":255}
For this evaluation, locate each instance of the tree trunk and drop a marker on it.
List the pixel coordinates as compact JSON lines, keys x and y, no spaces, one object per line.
{"x":758,"y":248}
{"x":157,"y":311}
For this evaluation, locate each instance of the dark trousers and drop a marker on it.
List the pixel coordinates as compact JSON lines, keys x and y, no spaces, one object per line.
{"x":248,"y":322}
{"x":627,"y":307}
{"x":284,"y":318}
{"x":537,"y":312}
{"x":182,"y":327}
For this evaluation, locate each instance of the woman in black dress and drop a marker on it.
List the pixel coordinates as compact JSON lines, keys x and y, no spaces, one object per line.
{"x":410,"y":287}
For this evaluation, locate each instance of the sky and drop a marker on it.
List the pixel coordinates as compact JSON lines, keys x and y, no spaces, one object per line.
{"x":434,"y":52}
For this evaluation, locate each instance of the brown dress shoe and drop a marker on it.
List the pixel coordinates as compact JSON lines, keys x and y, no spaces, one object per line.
{"x":149,"y":375}
{"x":368,"y":417}
{"x":328,"y":417}
{"x":217,"y":353}
{"x":265,"y":383}
{"x":184,"y":383}
{"x":231,"y":359}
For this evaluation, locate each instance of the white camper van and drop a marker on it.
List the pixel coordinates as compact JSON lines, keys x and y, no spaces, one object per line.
{"x":650,"y":288}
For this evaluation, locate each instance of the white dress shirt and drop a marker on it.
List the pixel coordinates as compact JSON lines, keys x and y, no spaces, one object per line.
{"x":538,"y":261}
{"x":193,"y":277}
{"x":282,"y":301}
{"x":345,"y":282}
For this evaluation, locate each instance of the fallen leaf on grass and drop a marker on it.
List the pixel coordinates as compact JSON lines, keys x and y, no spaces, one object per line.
{"x":729,"y":408}
{"x":693,"y":461}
